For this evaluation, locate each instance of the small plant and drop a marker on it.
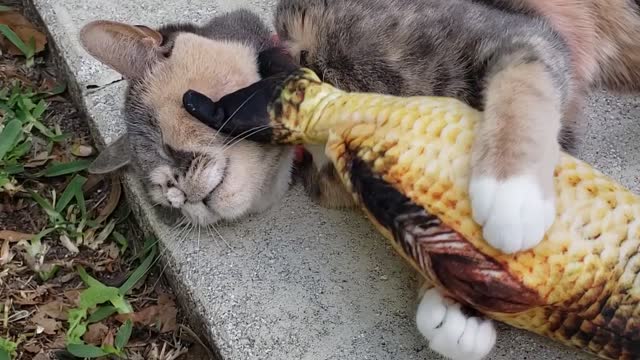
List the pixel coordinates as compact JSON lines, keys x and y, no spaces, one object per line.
{"x":7,"y":349}
{"x":28,"y":50}
{"x":21,"y":110}
{"x":98,"y":302}
{"x":69,"y":220}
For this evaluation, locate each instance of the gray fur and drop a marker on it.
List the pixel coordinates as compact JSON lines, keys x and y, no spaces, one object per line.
{"x":429,"y":47}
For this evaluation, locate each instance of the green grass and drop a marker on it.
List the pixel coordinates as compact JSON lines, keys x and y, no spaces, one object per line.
{"x":28,"y":50}
{"x":7,"y":349}
{"x":98,"y":302}
{"x":21,"y":111}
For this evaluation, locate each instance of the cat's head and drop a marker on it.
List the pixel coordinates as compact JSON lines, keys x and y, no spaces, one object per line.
{"x":185,"y":166}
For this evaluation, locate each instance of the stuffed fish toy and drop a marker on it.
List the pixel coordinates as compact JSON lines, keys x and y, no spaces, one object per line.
{"x":406,"y":161}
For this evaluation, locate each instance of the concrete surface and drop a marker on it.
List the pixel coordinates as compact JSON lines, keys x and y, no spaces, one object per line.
{"x":300,"y":282}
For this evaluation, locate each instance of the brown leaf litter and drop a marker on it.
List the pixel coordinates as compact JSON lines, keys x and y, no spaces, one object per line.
{"x":26,"y":31}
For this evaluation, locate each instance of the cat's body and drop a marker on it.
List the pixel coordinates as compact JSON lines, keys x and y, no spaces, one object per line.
{"x":515,"y":67}
{"x":529,"y":64}
{"x":529,"y":73}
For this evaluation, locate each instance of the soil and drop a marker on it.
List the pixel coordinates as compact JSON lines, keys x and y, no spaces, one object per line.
{"x":33,"y":311}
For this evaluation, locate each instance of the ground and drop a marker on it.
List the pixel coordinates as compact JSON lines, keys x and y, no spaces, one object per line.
{"x":77,"y":276}
{"x":298,"y":281}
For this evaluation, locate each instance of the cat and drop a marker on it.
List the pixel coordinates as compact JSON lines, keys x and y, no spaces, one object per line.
{"x":513,"y":66}
{"x":528,"y":64}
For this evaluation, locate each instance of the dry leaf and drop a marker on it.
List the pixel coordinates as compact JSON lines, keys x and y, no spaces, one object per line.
{"x":112,"y":202}
{"x":163,"y":315}
{"x":67,"y":277}
{"x":48,"y":325}
{"x":112,"y":251}
{"x":6,"y":254}
{"x":32,"y":348}
{"x":25,"y":31}
{"x":41,"y":356}
{"x":95,"y":333}
{"x":93,"y":180}
{"x":55,"y":309}
{"x":67,"y":243}
{"x":14,"y":235}
{"x":80,"y":150}
{"x":73,"y":296}
{"x":60,"y":342}
{"x":13,"y":18}
{"x":38,"y":160}
{"x":108,"y":339}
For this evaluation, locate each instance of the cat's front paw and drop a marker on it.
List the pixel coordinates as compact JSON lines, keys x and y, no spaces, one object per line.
{"x":514,"y":213}
{"x":452,"y":333}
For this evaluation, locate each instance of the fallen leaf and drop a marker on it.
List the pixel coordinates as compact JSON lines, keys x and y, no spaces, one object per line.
{"x":112,"y":251}
{"x":41,"y":356}
{"x":81,"y":150}
{"x":14,"y":235}
{"x":163,"y":315}
{"x":5,"y":253}
{"x":73,"y":296}
{"x":112,"y":202}
{"x":93,"y":180}
{"x":60,"y":342}
{"x":48,"y":325}
{"x":25,"y":31}
{"x":38,"y":160}
{"x":109,"y":338}
{"x":13,"y":18}
{"x":32,"y":347}
{"x":55,"y":309}
{"x":95,"y":333}
{"x":67,"y":243}
{"x":67,"y":277}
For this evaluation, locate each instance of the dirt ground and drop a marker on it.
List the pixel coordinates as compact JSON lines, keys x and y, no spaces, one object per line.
{"x":43,"y":286}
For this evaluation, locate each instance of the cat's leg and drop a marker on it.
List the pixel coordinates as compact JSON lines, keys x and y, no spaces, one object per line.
{"x":323,"y":185}
{"x":451,"y":332}
{"x":515,"y":151}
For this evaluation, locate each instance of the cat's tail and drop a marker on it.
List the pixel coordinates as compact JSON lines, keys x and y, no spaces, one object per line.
{"x":618,"y":44}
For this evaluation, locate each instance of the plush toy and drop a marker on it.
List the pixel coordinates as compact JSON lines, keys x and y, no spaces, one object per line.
{"x":407,"y":163}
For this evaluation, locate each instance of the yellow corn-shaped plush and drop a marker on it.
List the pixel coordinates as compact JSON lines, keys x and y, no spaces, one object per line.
{"x":407,"y":163}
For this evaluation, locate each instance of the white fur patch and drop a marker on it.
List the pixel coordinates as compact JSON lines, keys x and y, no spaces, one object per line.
{"x":452,"y":333}
{"x":513,"y":213}
{"x":175,"y":197}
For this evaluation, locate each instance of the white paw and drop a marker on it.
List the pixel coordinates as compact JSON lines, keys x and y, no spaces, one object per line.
{"x":450,"y":332}
{"x":175,"y":197}
{"x":514,"y":213}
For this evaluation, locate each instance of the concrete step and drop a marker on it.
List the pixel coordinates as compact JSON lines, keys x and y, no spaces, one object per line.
{"x":299,"y":281}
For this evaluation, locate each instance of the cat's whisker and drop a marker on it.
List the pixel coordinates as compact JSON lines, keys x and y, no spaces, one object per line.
{"x":234,"y":113}
{"x":223,"y":240}
{"x":249,"y":132}
{"x":243,"y":135}
{"x":215,"y":136}
{"x":198,"y":249}
{"x":176,"y":245}
{"x":208,"y":227}
{"x":180,"y":233}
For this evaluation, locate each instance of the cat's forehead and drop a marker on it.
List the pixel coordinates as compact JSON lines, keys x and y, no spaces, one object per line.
{"x":212,"y":67}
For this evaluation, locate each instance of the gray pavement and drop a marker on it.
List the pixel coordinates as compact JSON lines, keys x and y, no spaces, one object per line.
{"x":299,"y":281}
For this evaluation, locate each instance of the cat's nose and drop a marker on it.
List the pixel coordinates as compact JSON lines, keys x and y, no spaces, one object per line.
{"x":176,"y":197}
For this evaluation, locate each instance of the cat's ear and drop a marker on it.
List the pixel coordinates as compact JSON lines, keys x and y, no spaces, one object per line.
{"x":115,"y":156}
{"x":128,"y":49}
